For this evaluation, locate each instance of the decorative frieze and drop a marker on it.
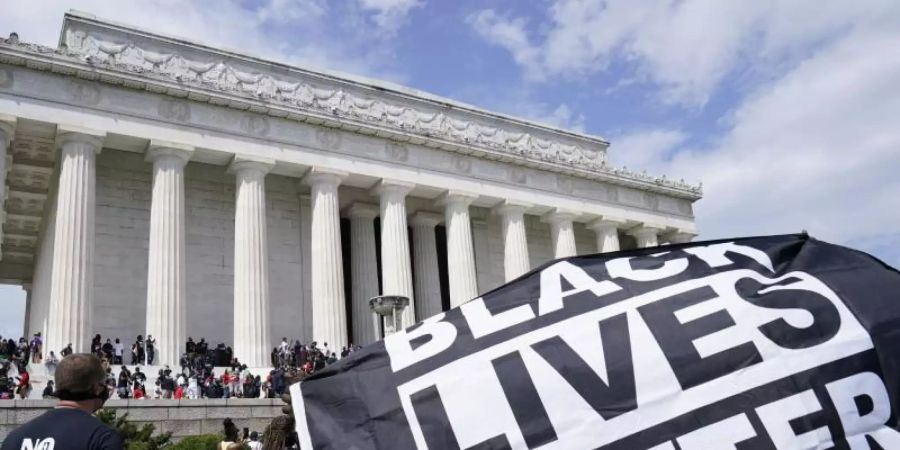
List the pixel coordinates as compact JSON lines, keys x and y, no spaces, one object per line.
{"x":139,"y":60}
{"x":156,"y":58}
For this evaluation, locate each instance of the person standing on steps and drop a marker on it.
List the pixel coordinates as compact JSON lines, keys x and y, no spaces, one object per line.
{"x":81,"y":389}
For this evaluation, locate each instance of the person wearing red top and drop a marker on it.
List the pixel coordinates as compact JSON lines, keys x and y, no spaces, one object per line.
{"x":226,"y":381}
{"x":24,"y":384}
{"x":138,"y":393}
{"x":179,"y":392}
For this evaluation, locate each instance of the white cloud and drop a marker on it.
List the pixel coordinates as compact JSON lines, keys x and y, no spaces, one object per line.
{"x":645,"y":149}
{"x":521,"y":103}
{"x":389,"y":15}
{"x":685,"y":47}
{"x":817,"y":149}
{"x":509,"y":33}
{"x":287,"y":11}
{"x":561,"y":117}
{"x":811,"y":139}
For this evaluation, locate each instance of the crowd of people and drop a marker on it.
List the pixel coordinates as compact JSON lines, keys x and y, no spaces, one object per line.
{"x":197,"y":378}
{"x":15,"y":357}
{"x":194,"y":378}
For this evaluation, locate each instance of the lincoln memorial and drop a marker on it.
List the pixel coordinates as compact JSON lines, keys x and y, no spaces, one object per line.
{"x":152,"y":185}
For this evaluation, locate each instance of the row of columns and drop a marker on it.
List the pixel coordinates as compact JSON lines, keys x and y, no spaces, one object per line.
{"x":69,"y":316}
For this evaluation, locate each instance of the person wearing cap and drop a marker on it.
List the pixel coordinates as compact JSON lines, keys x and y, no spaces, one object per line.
{"x":81,"y":390}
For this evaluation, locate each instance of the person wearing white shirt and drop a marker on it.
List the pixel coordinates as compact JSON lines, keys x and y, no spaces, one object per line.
{"x":192,"y":388}
{"x":254,"y":443}
{"x":118,"y":350}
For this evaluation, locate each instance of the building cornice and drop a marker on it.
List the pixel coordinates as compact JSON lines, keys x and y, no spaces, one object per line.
{"x":120,"y":55}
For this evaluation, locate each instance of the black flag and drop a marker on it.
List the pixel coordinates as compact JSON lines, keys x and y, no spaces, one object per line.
{"x":779,"y":342}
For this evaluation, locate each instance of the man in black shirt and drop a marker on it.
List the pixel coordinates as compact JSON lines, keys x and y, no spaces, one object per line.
{"x":81,"y":389}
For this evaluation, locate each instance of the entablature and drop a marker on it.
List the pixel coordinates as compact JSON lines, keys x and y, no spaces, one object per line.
{"x":110,"y":53}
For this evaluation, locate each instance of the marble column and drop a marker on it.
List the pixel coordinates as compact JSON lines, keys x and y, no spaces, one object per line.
{"x":607,"y":231}
{"x":460,"y":253}
{"x":43,"y":270}
{"x":680,"y":237}
{"x":562,"y":234}
{"x":515,"y":239}
{"x":329,"y":314}
{"x":252,"y":340}
{"x":425,"y":261}
{"x":72,"y":281}
{"x":363,"y":270}
{"x":166,"y":285}
{"x":29,"y":307}
{"x":646,"y":235}
{"x":306,"y":332}
{"x":396,"y":267}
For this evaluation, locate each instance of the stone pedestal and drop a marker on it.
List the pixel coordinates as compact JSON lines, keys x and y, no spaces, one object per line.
{"x":389,"y":310}
{"x":364,"y":271}
{"x":425,"y":259}
{"x":72,"y":280}
{"x":460,"y":254}
{"x":562,"y":235}
{"x":515,"y":239}
{"x":329,"y":315}
{"x":252,"y":341}
{"x":396,"y":267}
{"x":166,"y":287}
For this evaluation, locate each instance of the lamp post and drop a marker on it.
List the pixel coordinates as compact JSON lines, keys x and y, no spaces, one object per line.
{"x":387,"y":310}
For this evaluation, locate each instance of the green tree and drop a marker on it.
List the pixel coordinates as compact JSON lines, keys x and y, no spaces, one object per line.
{"x":134,"y":437}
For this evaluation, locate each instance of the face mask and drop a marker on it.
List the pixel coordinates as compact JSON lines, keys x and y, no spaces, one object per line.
{"x":103,"y":395}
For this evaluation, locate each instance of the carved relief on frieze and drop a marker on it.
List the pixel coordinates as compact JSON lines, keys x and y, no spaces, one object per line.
{"x":396,"y":152}
{"x":6,"y":78}
{"x":175,"y":110}
{"x":84,"y":93}
{"x":328,"y":138}
{"x":518,"y":175}
{"x":111,"y":48}
{"x":462,"y":164}
{"x":684,"y":207}
{"x":255,"y":125}
{"x":565,"y":184}
{"x":651,"y":200}
{"x":296,"y":90}
{"x":612,"y":193}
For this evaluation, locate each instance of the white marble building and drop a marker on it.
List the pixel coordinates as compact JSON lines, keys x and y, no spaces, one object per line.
{"x":154,"y":185}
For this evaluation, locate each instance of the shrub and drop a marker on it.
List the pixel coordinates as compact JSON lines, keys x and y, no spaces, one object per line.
{"x":199,"y":442}
{"x":133,"y":437}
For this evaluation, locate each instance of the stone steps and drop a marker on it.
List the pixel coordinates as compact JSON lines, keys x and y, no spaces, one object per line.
{"x":39,"y":375}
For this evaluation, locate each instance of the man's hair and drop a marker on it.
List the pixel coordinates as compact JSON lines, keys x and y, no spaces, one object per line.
{"x":79,"y":373}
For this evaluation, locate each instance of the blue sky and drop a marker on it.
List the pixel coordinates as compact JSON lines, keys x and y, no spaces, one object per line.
{"x":786,"y":111}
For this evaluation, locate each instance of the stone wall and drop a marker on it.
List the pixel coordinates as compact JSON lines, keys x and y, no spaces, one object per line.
{"x":124,"y":182}
{"x":181,"y":417}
